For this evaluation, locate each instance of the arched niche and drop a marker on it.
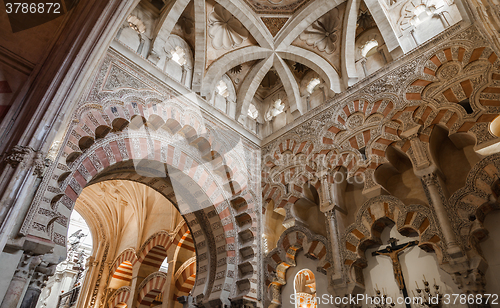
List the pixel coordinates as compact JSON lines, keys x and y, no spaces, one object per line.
{"x":177,"y":60}
{"x":371,"y":53}
{"x":416,"y":265}
{"x":224,"y":97}
{"x":399,"y":179}
{"x":288,"y":291}
{"x":313,"y":90}
{"x":448,"y":152}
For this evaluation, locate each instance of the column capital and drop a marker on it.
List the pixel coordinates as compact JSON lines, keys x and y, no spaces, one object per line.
{"x":19,"y":156}
{"x":26,"y":265}
{"x":430,"y":179}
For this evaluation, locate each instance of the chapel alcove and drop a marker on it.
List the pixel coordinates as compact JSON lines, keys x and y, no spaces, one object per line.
{"x":415,"y":264}
{"x":305,"y":289}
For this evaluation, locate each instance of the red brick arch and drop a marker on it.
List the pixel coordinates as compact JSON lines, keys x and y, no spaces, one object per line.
{"x":185,"y":279}
{"x":126,"y":255}
{"x":150,"y":288}
{"x":116,"y":151}
{"x":119,"y":298}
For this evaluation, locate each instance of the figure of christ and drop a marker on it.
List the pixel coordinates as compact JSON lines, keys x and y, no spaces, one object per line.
{"x":393,"y":254}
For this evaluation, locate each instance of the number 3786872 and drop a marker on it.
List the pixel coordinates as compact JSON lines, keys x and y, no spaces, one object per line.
{"x":33,"y":8}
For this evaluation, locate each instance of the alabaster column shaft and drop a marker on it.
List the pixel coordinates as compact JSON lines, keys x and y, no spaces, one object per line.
{"x":432,"y":183}
{"x":331,"y":216}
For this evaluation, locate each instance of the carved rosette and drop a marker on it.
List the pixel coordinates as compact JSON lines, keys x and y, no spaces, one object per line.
{"x":225,"y":30}
{"x":323,"y":33}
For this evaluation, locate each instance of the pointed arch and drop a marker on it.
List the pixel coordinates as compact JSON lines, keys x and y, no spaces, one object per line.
{"x":251,"y":84}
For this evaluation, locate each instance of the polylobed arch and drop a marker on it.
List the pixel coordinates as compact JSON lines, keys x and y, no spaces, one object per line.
{"x":372,"y":218}
{"x":478,"y":197}
{"x":278,"y":260}
{"x":154,"y":114}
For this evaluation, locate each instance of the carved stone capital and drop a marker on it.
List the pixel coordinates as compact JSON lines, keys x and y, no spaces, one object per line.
{"x":40,"y":165}
{"x":19,"y":156}
{"x":430,"y":179}
{"x":330,"y":214}
{"x":26,"y":265}
{"x":471,"y":281}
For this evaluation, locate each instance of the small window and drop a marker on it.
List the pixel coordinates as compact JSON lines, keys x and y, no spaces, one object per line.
{"x":178,"y":55}
{"x":253,"y":112}
{"x":164,"y":266}
{"x":369,"y":48}
{"x":222,"y":89}
{"x":265,"y":244}
{"x":276,"y":108}
{"x":311,"y":86}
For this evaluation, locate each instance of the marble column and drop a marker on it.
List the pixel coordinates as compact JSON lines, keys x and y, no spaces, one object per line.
{"x":21,"y":277}
{"x":330,"y":202}
{"x":331,"y":217}
{"x":431,"y":182}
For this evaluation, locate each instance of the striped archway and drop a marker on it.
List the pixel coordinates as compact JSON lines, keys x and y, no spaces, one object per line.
{"x":150,"y":288}
{"x":185,"y":278}
{"x":122,"y":276}
{"x":209,"y":225}
{"x":119,"y":298}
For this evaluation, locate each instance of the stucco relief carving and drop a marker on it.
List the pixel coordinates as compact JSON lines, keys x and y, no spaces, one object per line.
{"x":324,"y":32}
{"x":225,"y":30}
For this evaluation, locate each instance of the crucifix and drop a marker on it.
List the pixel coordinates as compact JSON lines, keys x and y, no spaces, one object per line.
{"x":393,"y":251}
